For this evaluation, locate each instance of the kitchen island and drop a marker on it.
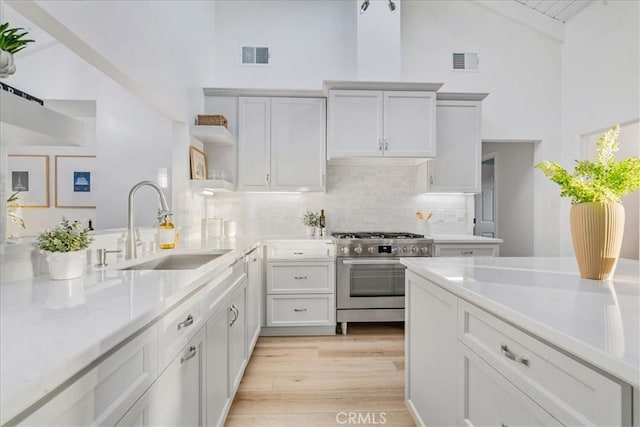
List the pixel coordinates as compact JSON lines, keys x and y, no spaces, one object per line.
{"x":521,"y":340}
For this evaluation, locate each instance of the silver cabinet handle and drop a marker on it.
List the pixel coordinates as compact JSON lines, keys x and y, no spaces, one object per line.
{"x":386,"y":145}
{"x":300,"y":277}
{"x":380,"y":145}
{"x":235,"y":312}
{"x":506,"y":353}
{"x":190,"y":354}
{"x":187,"y":322}
{"x":268,"y":178}
{"x":299,"y":310}
{"x":466,"y":252}
{"x":431,"y":180}
{"x":298,"y":253}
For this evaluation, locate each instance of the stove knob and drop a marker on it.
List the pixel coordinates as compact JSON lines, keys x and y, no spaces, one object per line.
{"x":372,"y":250}
{"x":414,"y":250}
{"x":402,"y":250}
{"x":358,"y":250}
{"x":345,"y":250}
{"x":425,"y":250}
{"x":394,"y":250}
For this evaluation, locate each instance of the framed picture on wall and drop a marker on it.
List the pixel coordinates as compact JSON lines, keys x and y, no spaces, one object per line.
{"x":28,"y":175}
{"x":75,"y":182}
{"x":198,"y":163}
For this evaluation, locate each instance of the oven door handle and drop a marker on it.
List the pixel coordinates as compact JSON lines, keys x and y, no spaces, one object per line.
{"x":371,"y":261}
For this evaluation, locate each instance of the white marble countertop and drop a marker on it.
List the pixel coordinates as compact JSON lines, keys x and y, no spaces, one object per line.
{"x":463,"y":239}
{"x":597,"y":321}
{"x":50,"y":330}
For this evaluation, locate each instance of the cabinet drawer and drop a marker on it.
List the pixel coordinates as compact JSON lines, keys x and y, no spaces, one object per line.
{"x":104,"y":394}
{"x":301,"y":310}
{"x":486,"y":398}
{"x":177,"y":327}
{"x":477,"y":250}
{"x":571,"y":391}
{"x":300,"y":277}
{"x":302,"y":251}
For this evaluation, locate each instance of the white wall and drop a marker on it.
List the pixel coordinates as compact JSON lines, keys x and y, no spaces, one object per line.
{"x":309,"y":41}
{"x":166,"y":47}
{"x":600,"y":80}
{"x":131,"y":140}
{"x":519,"y":68}
{"x":514,"y":196}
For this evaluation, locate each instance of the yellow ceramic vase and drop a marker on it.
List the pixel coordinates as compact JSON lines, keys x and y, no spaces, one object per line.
{"x":596,"y":232}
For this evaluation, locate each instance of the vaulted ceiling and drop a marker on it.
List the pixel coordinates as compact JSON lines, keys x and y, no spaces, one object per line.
{"x":560,"y":10}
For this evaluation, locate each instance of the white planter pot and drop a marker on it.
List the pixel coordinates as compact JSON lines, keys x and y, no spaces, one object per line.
{"x":66,"y":265}
{"x":311,"y":231}
{"x":7,"y":67}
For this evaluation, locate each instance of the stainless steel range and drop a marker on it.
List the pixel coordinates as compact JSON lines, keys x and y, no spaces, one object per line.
{"x":369,"y":276}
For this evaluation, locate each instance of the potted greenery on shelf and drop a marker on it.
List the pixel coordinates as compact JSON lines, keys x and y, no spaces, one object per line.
{"x":311,"y":220}
{"x":597,"y":215}
{"x":11,"y":41}
{"x":66,"y":249}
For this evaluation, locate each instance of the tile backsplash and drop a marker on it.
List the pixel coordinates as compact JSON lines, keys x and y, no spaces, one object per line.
{"x":358,"y":197}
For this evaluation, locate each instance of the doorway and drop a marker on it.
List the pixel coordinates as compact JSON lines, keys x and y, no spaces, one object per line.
{"x":485,"y":221}
{"x":507,"y":196}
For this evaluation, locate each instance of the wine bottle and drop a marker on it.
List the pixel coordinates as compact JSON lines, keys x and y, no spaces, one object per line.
{"x":322,"y":219}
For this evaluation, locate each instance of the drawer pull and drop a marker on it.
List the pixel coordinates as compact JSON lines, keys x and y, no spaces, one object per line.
{"x":299,"y":310}
{"x":300,"y":277}
{"x":466,"y":252}
{"x":298,"y":253}
{"x":504,"y":425}
{"x":192,"y":352}
{"x":506,"y":353}
{"x":187,"y":322}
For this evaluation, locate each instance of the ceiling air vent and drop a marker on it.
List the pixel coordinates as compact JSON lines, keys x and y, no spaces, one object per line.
{"x":465,"y":61}
{"x":255,"y":55}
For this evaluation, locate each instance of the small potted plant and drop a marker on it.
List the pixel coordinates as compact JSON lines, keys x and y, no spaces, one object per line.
{"x":311,"y":220}
{"x":11,"y":41}
{"x":66,"y":249}
{"x":597,"y":215}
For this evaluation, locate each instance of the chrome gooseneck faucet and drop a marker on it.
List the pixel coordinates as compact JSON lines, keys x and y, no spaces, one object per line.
{"x":130,"y":248}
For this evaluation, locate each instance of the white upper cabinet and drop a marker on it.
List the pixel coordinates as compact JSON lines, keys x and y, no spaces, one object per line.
{"x":282,"y":144}
{"x":409,"y":124}
{"x":254,"y":144}
{"x":355,"y":123}
{"x":457,"y":167}
{"x":298,"y":143}
{"x":364,"y":123}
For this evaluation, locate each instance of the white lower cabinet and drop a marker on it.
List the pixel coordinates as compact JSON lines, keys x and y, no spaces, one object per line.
{"x":431,"y":344}
{"x":237,"y":335}
{"x":486,"y":398}
{"x":103,"y":394}
{"x":255,"y":296}
{"x":466,"y":366}
{"x":300,"y":288}
{"x":177,"y":398}
{"x":218,"y":397}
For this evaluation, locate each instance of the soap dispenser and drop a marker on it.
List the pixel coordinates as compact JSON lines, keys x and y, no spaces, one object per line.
{"x":166,"y":231}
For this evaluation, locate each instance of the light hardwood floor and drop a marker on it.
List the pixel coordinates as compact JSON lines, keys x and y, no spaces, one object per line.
{"x":322,"y":381}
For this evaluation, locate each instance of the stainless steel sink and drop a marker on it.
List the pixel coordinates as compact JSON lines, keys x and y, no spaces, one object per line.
{"x":177,"y":262}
